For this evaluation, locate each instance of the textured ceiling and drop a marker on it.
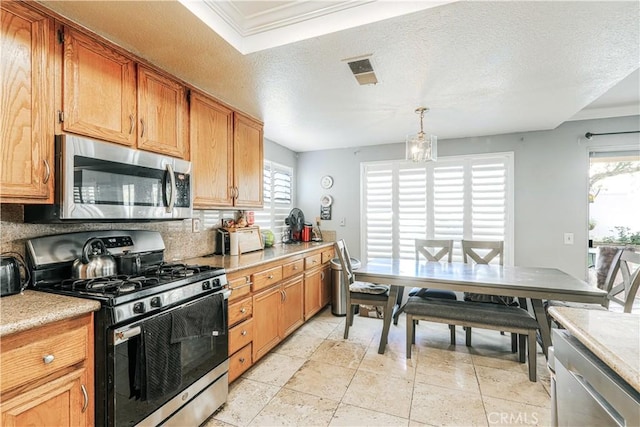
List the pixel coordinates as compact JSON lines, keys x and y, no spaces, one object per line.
{"x":482,"y":68}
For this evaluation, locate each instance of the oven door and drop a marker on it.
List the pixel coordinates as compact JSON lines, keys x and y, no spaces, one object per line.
{"x":155,"y":372}
{"x":106,"y":181}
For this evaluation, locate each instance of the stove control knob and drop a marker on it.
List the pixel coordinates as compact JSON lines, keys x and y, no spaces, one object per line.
{"x":138,"y":307}
{"x":206,"y":285}
{"x":156,"y":302}
{"x":216,"y":282}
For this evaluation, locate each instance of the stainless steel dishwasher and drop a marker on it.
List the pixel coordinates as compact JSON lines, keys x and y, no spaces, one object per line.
{"x":587,"y":391}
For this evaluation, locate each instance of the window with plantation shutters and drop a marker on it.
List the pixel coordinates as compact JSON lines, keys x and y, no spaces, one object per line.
{"x":469,"y":197}
{"x":278,"y":201}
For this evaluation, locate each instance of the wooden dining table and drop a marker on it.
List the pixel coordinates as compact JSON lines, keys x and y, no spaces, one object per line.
{"x":531,"y":284}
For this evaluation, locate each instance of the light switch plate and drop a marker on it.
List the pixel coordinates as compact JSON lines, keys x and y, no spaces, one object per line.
{"x":568,"y":238}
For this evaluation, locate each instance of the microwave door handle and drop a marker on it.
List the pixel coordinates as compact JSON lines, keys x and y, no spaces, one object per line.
{"x":172,"y":198}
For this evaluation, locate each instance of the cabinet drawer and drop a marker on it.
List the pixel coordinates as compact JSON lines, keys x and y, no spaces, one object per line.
{"x":240,"y":287}
{"x":239,"y":310}
{"x":327,"y":255}
{"x":239,"y":362}
{"x":292,"y":268}
{"x":312,"y":261}
{"x":240,"y":335}
{"x":43,"y":357}
{"x":266,"y":278}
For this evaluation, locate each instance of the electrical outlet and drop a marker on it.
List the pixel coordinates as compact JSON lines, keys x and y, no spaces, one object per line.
{"x":343,"y":221}
{"x":195,"y":225}
{"x":568,"y":238}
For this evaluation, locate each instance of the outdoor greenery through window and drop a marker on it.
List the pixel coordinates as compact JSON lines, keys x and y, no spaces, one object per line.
{"x":614,"y":197}
{"x":278,"y":201}
{"x":466,"y":197}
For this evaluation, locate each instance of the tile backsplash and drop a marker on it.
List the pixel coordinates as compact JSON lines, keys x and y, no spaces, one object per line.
{"x":179,"y":239}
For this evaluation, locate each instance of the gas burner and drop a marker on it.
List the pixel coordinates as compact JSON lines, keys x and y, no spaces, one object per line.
{"x":175,"y":270}
{"x":108,"y":285}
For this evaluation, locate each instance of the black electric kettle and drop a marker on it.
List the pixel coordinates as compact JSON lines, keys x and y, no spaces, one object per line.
{"x":94,"y":262}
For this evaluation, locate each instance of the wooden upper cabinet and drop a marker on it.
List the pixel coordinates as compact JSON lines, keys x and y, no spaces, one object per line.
{"x":247,"y":161}
{"x":99,"y":90}
{"x":211,"y":139}
{"x":27,"y":44}
{"x":162,"y":114}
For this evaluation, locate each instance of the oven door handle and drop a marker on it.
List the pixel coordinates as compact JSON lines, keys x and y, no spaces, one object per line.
{"x":172,"y":180}
{"x":122,"y":336}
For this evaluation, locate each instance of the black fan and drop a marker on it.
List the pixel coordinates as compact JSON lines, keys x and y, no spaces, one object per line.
{"x":295,"y":221}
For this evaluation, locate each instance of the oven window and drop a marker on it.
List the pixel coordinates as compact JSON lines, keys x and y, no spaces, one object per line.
{"x":197,"y":356}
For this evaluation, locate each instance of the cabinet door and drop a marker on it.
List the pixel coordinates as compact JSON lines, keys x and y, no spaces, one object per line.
{"x":99,"y":90}
{"x":325,"y":292}
{"x":248,"y":162}
{"x":162,"y":114}
{"x":26,"y":96}
{"x":266,"y":320}
{"x":61,"y":402}
{"x":312,"y":292}
{"x":292,"y":312}
{"x":211,"y":140}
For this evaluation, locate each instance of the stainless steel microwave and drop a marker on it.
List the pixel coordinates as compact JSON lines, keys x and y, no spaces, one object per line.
{"x":100,"y":181}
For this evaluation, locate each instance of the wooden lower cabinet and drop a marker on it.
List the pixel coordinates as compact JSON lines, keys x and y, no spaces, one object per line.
{"x":277,"y":312}
{"x":270,"y":301}
{"x":47,"y":375}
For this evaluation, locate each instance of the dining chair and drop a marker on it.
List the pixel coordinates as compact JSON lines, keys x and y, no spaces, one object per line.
{"x":621,"y":283}
{"x":433,"y":251}
{"x":486,"y":252}
{"x":360,"y":292}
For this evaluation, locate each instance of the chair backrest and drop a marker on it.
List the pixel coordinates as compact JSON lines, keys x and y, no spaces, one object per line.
{"x":427,"y":248}
{"x":628,"y":288}
{"x":345,"y":261}
{"x":482,"y":251}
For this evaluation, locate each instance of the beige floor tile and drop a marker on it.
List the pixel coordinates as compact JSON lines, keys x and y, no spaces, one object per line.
{"x":319,"y":328}
{"x":299,"y":345}
{"x":511,"y":385}
{"x":352,"y":416}
{"x":435,"y":405}
{"x":340,"y":353}
{"x":507,"y":413}
{"x":392,"y":362}
{"x":292,"y":408}
{"x":322,"y":380}
{"x":274,"y":368}
{"x":360,"y":333}
{"x":449,"y":355}
{"x":461,"y":376}
{"x":212,"y":422}
{"x":379,"y":392}
{"x":246,"y":399}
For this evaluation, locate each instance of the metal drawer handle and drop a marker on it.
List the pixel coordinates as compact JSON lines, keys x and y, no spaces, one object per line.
{"x":86,"y":398}
{"x":131,"y":123}
{"x":48,"y":359}
{"x":141,"y":128}
{"x":243,"y":333}
{"x":242,"y":359}
{"x":295,"y":267}
{"x":243,"y":310}
{"x":270,"y":276}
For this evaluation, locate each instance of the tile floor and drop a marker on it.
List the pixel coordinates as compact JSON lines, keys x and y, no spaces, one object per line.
{"x":316,"y":378}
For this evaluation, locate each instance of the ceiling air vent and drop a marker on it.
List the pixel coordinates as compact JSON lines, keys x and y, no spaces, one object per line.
{"x":362,"y":70}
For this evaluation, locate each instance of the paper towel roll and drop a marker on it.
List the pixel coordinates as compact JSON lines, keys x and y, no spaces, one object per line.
{"x":233,"y":243}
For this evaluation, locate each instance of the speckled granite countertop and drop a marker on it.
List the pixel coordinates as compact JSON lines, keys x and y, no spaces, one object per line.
{"x":613,"y":337}
{"x":33,"y":308}
{"x":252,"y":259}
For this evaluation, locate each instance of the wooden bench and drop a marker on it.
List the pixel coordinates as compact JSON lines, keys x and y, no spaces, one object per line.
{"x":476,"y":315}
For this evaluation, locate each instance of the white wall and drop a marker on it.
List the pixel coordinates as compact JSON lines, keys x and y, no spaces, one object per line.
{"x":551,"y":182}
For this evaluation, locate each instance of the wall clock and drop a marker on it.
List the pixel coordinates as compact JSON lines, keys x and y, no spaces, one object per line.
{"x":326,"y":182}
{"x":326,"y":201}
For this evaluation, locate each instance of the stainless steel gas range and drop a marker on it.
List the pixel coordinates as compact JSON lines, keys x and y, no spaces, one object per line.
{"x":161,"y":346}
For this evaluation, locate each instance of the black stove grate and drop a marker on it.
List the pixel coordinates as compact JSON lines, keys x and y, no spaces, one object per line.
{"x":108,"y":285}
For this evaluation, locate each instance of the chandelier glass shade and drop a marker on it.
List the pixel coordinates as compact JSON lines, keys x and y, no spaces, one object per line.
{"x":421,"y":147}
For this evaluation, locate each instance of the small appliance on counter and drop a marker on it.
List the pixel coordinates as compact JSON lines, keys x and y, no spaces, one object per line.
{"x":296,"y":224}
{"x":12,"y":281}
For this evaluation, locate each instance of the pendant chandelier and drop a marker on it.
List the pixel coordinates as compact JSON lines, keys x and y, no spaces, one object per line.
{"x":422,"y":147}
